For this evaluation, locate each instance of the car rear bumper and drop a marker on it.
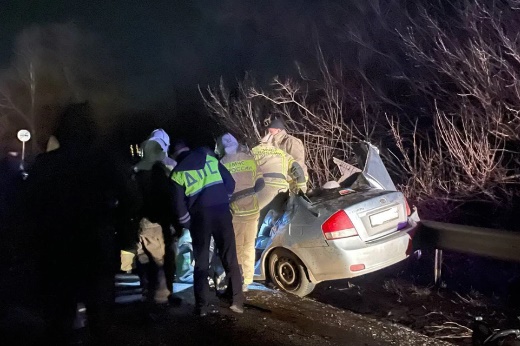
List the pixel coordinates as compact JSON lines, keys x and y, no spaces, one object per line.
{"x":333,"y":262}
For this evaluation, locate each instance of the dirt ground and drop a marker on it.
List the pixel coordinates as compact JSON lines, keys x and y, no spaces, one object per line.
{"x":404,"y":294}
{"x":395,"y":306}
{"x":270,"y":317}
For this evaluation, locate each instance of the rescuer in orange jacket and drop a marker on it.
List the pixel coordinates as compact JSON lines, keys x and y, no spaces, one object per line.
{"x":278,"y":169}
{"x":278,"y":137}
{"x":244,"y":202}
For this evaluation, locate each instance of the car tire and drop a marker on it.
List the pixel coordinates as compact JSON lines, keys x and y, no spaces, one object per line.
{"x":287,"y":272}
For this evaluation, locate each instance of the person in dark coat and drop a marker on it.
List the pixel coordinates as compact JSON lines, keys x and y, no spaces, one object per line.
{"x":67,"y":207}
{"x":201,"y":187}
{"x":154,"y":248}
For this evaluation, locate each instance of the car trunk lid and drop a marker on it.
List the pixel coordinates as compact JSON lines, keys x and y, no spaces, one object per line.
{"x":378,"y":216}
{"x":374,"y":213}
{"x":368,"y":196}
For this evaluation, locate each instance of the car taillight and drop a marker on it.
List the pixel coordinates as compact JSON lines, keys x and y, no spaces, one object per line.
{"x":338,"y":226}
{"x":408,"y":211}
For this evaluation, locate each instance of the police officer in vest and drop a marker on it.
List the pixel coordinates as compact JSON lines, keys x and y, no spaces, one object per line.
{"x":249,"y":181}
{"x":201,"y":188}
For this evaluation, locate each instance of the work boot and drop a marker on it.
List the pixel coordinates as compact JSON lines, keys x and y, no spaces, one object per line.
{"x":237,"y":308}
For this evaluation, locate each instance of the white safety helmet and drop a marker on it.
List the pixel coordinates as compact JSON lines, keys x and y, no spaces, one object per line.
{"x":160,"y":136}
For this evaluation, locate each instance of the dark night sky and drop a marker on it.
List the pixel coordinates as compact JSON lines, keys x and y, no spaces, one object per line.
{"x":176,"y":44}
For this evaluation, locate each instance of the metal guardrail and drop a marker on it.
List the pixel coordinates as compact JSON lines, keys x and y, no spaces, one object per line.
{"x":488,"y":242}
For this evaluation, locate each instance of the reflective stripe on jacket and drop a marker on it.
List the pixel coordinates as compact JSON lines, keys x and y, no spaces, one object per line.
{"x":244,"y":171}
{"x":196,"y":180}
{"x":274,"y":163}
{"x":292,"y":146}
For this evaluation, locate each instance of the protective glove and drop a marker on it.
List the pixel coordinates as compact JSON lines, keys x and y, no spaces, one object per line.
{"x":127,"y":260}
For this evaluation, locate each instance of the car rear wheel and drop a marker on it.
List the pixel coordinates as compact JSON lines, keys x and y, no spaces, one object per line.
{"x":288,"y":273}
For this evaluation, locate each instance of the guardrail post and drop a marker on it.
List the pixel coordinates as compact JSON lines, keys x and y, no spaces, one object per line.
{"x":437,"y":266}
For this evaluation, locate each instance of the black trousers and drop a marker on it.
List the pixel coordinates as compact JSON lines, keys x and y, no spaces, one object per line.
{"x":214,"y":221}
{"x":86,"y":274}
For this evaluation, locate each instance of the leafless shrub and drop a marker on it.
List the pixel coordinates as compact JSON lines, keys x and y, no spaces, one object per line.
{"x":320,"y":124}
{"x":314,"y":110}
{"x":464,"y":68}
{"x":473,"y":73}
{"x":238,"y":114}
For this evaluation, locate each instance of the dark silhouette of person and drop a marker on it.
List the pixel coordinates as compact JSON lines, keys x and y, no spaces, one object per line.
{"x":65,"y":248}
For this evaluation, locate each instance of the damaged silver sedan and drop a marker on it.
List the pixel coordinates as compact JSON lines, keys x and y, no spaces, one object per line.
{"x":361,"y":225}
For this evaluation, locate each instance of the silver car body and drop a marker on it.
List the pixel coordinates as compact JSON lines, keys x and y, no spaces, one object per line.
{"x":375,"y":208}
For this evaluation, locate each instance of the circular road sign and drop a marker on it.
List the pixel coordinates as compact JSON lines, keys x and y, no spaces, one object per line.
{"x":24,"y":135}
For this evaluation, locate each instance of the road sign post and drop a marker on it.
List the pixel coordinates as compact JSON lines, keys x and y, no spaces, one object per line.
{"x":23,"y":136}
